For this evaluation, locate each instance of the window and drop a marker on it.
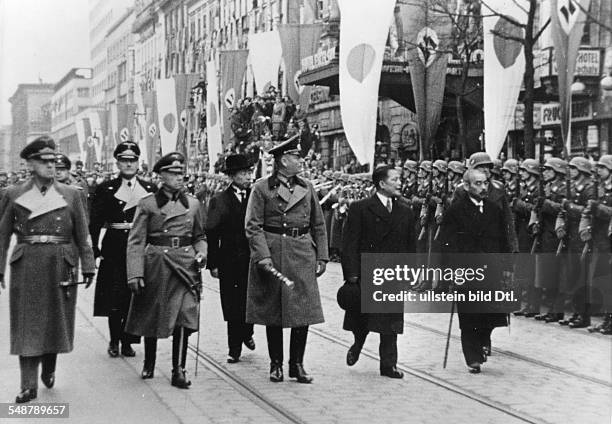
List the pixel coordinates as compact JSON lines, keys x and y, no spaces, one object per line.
{"x":83,"y":92}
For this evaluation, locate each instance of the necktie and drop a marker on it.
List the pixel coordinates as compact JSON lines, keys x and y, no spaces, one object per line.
{"x":43,"y":190}
{"x":242,"y":196}
{"x":480,"y":207}
{"x":389,"y":205}
{"x":129,"y":184}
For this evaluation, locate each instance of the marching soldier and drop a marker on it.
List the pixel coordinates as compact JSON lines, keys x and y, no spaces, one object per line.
{"x":600,"y":211}
{"x":50,"y":222}
{"x":456,"y":170}
{"x":113,"y":207}
{"x":509,"y":173}
{"x":529,"y":172}
{"x":166,"y":246}
{"x":496,"y":171}
{"x":228,"y":252}
{"x":582,"y":190}
{"x":548,"y":264}
{"x":286,"y":233}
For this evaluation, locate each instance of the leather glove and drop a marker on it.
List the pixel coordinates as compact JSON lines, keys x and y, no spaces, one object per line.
{"x":320,"y":268}
{"x":200,"y":258}
{"x":88,"y":279}
{"x":264,"y":263}
{"x":136,"y":285}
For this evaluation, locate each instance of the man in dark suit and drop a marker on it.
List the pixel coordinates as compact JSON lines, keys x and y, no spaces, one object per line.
{"x":474,"y":225}
{"x":229,"y":254}
{"x":113,"y":207}
{"x":379,"y":224}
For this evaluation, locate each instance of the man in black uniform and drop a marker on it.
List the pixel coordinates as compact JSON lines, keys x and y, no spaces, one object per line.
{"x":228,"y":252}
{"x":113,"y":206}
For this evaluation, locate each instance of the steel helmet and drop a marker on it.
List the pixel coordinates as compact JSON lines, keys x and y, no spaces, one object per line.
{"x":511,"y":165}
{"x":581,"y":164}
{"x":605,"y":161}
{"x":557,"y":164}
{"x":479,"y":158}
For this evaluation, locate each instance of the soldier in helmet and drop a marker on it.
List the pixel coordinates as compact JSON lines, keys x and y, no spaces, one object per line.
{"x":582,"y":190}
{"x":456,"y":170}
{"x":62,"y":175}
{"x":600,"y":211}
{"x":409,"y":177}
{"x":523,"y":207}
{"x":496,"y":171}
{"x":420,"y":201}
{"x":509,"y":173}
{"x":548,"y":264}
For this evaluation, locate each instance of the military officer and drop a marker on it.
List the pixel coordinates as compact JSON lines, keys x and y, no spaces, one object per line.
{"x":62,"y":175}
{"x":165,"y":245}
{"x":113,"y":207}
{"x":228,"y":252}
{"x":286,"y":231}
{"x":581,"y":191}
{"x":50,"y":222}
{"x":548,"y":264}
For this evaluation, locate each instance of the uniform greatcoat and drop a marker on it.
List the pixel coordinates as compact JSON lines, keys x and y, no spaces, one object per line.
{"x":270,"y":302}
{"x":41,"y":312}
{"x":169,"y":274}
{"x":114,"y":203}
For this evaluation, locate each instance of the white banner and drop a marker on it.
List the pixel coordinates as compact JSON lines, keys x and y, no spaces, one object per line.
{"x":166,"y":111}
{"x":213,"y":124}
{"x":504,"y":66}
{"x":364,"y":27}
{"x":265,"y":53}
{"x":97,"y":131}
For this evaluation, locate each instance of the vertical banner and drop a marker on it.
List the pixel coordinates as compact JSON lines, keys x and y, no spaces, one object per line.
{"x":232,"y":64}
{"x":80,"y":130}
{"x":364,"y":26}
{"x":167,"y":114}
{"x":504,"y":66}
{"x":151,"y":133}
{"x":427,"y":34}
{"x":567,"y":21}
{"x":99,"y":130}
{"x":89,"y":155}
{"x":298,"y":41}
{"x":265,"y":53}
{"x":140,"y":122}
{"x":183,"y":85}
{"x":213,"y":128}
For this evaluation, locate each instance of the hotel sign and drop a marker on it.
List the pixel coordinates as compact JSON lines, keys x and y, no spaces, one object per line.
{"x":319,"y":59}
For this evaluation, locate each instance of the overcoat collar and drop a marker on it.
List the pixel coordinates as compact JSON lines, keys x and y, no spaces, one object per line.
{"x":32,"y":199}
{"x":130,"y":197}
{"x":161,"y":198}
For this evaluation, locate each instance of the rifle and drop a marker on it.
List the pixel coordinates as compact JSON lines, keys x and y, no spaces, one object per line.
{"x":561,"y":222}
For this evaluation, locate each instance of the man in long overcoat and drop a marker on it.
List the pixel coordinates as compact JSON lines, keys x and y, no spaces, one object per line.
{"x":228,"y":252}
{"x":165,"y":245}
{"x":113,"y":207}
{"x":378,"y":224}
{"x":50,"y":222}
{"x":474,"y":225}
{"x":286,"y":231}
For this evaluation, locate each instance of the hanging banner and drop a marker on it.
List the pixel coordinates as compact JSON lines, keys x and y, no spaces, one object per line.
{"x":567,"y":21}
{"x":99,"y":132}
{"x":504,"y":66}
{"x":427,"y":36}
{"x":140,"y":123}
{"x":183,"y":85}
{"x":233,"y":67}
{"x":213,"y":128}
{"x":80,"y":130}
{"x":265,"y":54}
{"x":167,"y":114}
{"x":151,"y":133}
{"x":298,"y":42}
{"x":363,"y":31}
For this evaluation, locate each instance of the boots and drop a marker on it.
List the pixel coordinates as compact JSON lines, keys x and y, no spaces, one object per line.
{"x":179,"y":378}
{"x":276,"y":371}
{"x":582,"y":321}
{"x":298,"y":371}
{"x":150,"y":356}
{"x":180,"y":339}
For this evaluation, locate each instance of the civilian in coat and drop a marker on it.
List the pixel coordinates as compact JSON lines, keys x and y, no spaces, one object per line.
{"x":113,"y":207}
{"x":378,"y":224}
{"x":165,"y":245}
{"x":228,"y":252}
{"x":286,"y":230}
{"x":474,"y":225}
{"x":50,"y":222}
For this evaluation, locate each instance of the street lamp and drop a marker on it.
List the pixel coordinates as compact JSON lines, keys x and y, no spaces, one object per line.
{"x":578,"y":88}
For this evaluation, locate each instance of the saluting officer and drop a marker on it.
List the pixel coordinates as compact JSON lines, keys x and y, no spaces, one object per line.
{"x":50,"y":222}
{"x":113,"y":207}
{"x":165,"y":246}
{"x":228,"y":252}
{"x":286,"y":230}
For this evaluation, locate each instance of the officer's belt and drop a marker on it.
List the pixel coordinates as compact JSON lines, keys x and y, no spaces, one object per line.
{"x":287,"y":231}
{"x":169,"y":241}
{"x":44,"y":239}
{"x":120,"y":226}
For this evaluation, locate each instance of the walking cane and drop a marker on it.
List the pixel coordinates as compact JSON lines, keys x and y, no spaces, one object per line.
{"x":199,"y":299}
{"x":450,"y":326}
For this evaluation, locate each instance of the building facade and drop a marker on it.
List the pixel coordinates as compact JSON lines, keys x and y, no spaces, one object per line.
{"x":5,"y":147}
{"x":31,"y":117}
